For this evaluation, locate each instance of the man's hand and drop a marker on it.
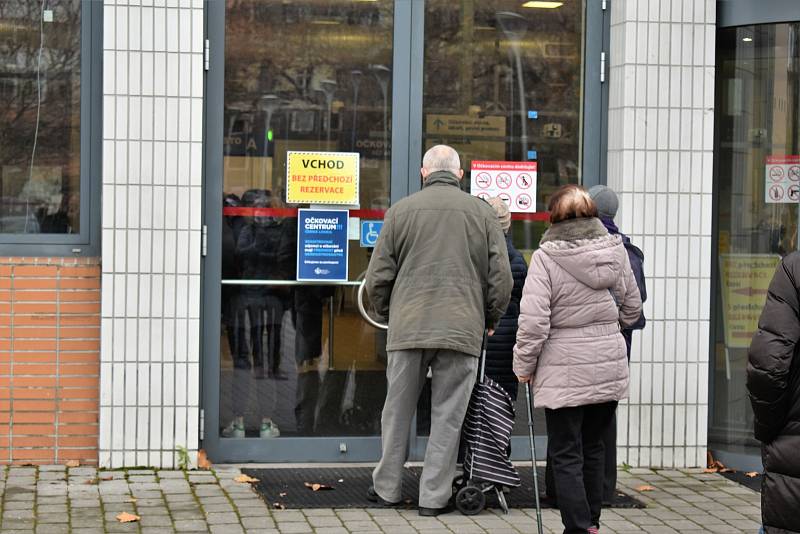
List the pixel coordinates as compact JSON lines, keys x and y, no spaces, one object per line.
{"x":491,"y":331}
{"x":525,"y":379}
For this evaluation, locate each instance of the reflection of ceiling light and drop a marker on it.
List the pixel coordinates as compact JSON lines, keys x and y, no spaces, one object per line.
{"x":544,"y":4}
{"x":748,"y":39}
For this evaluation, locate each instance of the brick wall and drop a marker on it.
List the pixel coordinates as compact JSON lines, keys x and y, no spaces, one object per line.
{"x":49,"y":360}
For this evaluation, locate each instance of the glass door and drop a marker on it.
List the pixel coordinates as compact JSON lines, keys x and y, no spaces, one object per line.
{"x":299,"y":375}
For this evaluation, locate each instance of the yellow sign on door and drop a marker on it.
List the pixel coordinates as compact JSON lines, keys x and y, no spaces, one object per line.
{"x":745,"y":280}
{"x":322,"y":178}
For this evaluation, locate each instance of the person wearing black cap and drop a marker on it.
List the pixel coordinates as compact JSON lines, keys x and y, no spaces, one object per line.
{"x":607,"y":205}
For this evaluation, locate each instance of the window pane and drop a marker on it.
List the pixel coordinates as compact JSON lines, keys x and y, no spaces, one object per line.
{"x":758,"y":172}
{"x":40,"y":121}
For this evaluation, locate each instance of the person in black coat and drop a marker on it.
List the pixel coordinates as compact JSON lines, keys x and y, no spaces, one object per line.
{"x":773,"y":382}
{"x":500,"y":347}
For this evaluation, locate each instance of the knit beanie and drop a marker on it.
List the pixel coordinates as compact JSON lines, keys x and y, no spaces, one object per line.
{"x":606,"y":201}
{"x":503,"y":215}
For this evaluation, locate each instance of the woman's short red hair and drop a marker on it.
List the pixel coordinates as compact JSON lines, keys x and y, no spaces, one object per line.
{"x":571,"y":202}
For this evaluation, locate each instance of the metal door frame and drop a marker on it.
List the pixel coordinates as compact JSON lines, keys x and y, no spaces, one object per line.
{"x":407,"y":92}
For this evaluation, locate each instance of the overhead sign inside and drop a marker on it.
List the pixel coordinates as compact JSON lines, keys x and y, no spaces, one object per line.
{"x":322,"y":177}
{"x":322,"y":245}
{"x":466,"y":125}
{"x":512,"y":181}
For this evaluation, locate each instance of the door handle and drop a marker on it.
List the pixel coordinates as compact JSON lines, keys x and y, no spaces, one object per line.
{"x":363,"y":310}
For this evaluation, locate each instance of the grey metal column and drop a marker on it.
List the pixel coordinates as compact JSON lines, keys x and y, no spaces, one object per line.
{"x":401,"y":88}
{"x":211,"y":267}
{"x":595,"y":100}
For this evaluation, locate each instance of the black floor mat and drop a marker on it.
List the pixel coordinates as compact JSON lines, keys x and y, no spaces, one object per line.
{"x":754,"y":483}
{"x":286,"y":488}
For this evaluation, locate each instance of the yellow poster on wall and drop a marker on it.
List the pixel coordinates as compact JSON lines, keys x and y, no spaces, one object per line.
{"x":322,"y":177}
{"x":745,"y":279}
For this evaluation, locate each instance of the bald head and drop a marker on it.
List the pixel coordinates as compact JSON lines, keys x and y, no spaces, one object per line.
{"x":441,"y":158}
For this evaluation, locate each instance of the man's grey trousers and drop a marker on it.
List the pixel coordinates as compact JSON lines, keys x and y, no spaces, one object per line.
{"x":454,"y":375}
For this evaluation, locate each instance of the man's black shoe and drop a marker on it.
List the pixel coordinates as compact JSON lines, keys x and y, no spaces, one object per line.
{"x":433,"y":512}
{"x":372,"y":496}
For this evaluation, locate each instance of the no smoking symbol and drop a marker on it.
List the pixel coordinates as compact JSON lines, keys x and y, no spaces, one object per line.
{"x":794,"y":173}
{"x":776,"y":173}
{"x":524,"y":181}
{"x":776,"y":192}
{"x":483,"y":180}
{"x":524,"y":201}
{"x":504,"y":180}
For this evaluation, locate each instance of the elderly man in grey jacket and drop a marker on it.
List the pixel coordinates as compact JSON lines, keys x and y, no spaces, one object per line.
{"x":440,"y":274}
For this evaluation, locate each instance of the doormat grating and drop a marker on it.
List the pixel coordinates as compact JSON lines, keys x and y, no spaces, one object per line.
{"x":286,"y":488}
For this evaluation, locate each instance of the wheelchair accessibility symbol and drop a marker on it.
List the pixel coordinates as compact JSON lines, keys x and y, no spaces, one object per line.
{"x":369,"y":233}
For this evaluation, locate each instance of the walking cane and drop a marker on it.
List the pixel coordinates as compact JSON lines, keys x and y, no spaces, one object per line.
{"x":533,"y":456}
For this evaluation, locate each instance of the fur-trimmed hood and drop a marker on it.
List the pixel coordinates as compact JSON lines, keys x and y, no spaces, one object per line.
{"x":585,"y":249}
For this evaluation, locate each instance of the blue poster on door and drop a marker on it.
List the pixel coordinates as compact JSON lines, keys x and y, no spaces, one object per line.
{"x":322,"y":245}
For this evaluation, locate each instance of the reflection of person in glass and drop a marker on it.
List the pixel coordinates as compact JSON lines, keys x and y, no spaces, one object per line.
{"x":266,"y":254}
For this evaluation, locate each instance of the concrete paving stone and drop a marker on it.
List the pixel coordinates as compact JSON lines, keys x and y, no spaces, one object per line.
{"x":147,"y":494}
{"x":171,"y":473}
{"x":122,"y":527}
{"x":220,"y":507}
{"x":617,"y":525}
{"x":354,"y":515}
{"x":52,"y":475}
{"x":684,"y":525}
{"x":226,"y":529}
{"x":82,"y":471}
{"x":217,"y":499}
{"x":190,"y":525}
{"x":52,"y":528}
{"x":140,"y":472}
{"x":59,"y":517}
{"x":258,"y":522}
{"x":51,"y":508}
{"x":187,"y":514}
{"x":17,"y":505}
{"x":84,"y":522}
{"x":157,"y":530}
{"x":155,"y":520}
{"x":27,"y":513}
{"x":150,"y":502}
{"x":322,"y":521}
{"x":288,"y":516}
{"x":18,"y":524}
{"x":220,"y":518}
{"x":88,"y":530}
{"x":295,"y":527}
{"x":263,"y":531}
{"x":254,"y":511}
{"x":142,"y":479}
{"x":327,"y":530}
{"x":115,"y":497}
{"x":174,"y":486}
{"x":179,"y":497}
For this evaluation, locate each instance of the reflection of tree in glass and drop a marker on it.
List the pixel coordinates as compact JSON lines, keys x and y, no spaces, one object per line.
{"x":48,"y":185}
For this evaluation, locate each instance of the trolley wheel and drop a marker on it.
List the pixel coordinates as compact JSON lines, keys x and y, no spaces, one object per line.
{"x":470,"y":500}
{"x":459,"y":482}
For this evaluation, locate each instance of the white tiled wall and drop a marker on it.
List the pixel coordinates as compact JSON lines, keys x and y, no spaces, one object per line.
{"x":152,"y":157}
{"x":661,"y":124}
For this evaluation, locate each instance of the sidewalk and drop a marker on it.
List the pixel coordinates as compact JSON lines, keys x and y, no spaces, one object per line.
{"x":53,"y":499}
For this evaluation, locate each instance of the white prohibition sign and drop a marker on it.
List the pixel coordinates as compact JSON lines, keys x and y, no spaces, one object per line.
{"x":504,"y":180}
{"x":794,"y":192}
{"x":776,"y":192}
{"x":483,"y":196}
{"x":524,"y":201}
{"x":483,"y":180}
{"x":776,"y":173}
{"x":524,"y":180}
{"x":505,"y":197}
{"x":794,"y":173}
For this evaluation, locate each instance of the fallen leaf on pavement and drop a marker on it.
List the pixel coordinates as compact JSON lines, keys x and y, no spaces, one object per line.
{"x":341,"y":480}
{"x":282,"y":494}
{"x":245,"y":479}
{"x":125,"y":517}
{"x":73,"y":463}
{"x":317,"y":487}
{"x":645,"y":487}
{"x":202,"y":460}
{"x":132,"y":499}
{"x":752,"y":474}
{"x":109,"y":477}
{"x":279,"y":506}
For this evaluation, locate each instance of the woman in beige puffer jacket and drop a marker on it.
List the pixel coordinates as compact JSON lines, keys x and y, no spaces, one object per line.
{"x":579,"y":290}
